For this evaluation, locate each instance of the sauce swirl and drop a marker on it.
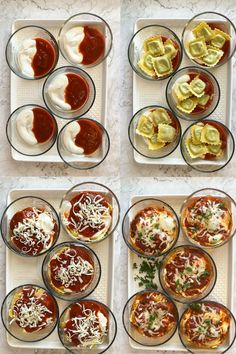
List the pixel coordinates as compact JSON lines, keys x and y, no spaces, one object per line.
{"x":44,"y":58}
{"x":77,"y":91}
{"x":90,"y":136}
{"x":93,"y":45}
{"x":43,"y":125}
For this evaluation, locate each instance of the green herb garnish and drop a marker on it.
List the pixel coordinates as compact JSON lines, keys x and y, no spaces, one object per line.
{"x":196,"y":306}
{"x":147,"y":271}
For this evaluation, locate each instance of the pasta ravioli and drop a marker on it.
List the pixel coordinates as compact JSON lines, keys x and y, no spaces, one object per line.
{"x":209,"y":45}
{"x":157,"y":128}
{"x":204,"y":142}
{"x":193,"y":93}
{"x":160,"y":56}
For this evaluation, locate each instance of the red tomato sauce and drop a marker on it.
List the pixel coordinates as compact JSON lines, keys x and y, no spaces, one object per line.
{"x":27,"y":297}
{"x":35,"y":247}
{"x":90,"y":136}
{"x":77,"y":311}
{"x":195,"y":286}
{"x":77,"y":91}
{"x":43,"y":125}
{"x":64,"y":258}
{"x":44,"y":58}
{"x":83,"y":197}
{"x":93,"y":45}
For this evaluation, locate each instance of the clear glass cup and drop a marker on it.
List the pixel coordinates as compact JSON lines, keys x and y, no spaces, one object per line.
{"x":14,"y":44}
{"x":175,"y":295}
{"x":19,"y":205}
{"x":130,"y":216}
{"x":17,"y":331}
{"x":82,"y":161}
{"x":107,"y":340}
{"x":17,"y":142}
{"x":173,"y":102}
{"x":224,"y":346}
{"x":134,"y":334}
{"x":222,"y":22}
{"x":91,"y":21}
{"x":138,"y":142}
{"x":209,"y":165}
{"x":220,"y":197}
{"x":71,"y":295}
{"x":101,"y":190}
{"x":56,"y":109}
{"x":136,"y":47}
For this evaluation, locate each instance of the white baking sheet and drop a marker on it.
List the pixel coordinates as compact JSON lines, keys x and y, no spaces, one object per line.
{"x":147,"y":92}
{"x":222,"y":292}
{"x":30,"y":91}
{"x":22,"y":270}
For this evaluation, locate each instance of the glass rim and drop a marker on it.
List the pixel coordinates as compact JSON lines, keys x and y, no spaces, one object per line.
{"x":35,"y":286}
{"x":56,"y":49}
{"x":211,"y":302}
{"x":110,"y":312}
{"x":132,"y":249}
{"x":99,"y":185}
{"x":48,"y":258}
{"x":37,"y":106}
{"x":106,"y":25}
{"x":218,"y":168}
{"x":85,"y":74}
{"x":57,"y":222}
{"x":177,"y":140}
{"x":180,"y":51}
{"x":103,"y":130}
{"x":209,"y":74}
{"x":184,"y":205}
{"x":150,"y":291}
{"x":206,"y":254}
{"x":185,"y":28}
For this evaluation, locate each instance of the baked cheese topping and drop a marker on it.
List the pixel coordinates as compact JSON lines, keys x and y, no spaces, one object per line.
{"x":187,"y":272}
{"x":152,"y":314}
{"x":87,"y":329}
{"x":32,"y":230}
{"x":90,"y":216}
{"x":32,"y":309}
{"x":206,"y":325}
{"x":71,"y":269}
{"x":208,"y":221}
{"x":153,"y":230}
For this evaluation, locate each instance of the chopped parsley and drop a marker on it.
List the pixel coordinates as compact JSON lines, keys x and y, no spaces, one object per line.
{"x":151,"y":320}
{"x":196,"y":306}
{"x":205,"y":273}
{"x":147,"y":271}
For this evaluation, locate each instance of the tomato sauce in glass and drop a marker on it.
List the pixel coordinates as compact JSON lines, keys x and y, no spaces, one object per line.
{"x":44,"y":58}
{"x":82,"y":197}
{"x":28,"y":297}
{"x":196,"y":285}
{"x":92,"y":46}
{"x":77,"y":91}
{"x":34,"y":247}
{"x":90,"y":136}
{"x":43,"y":125}
{"x":64,"y":258}
{"x":77,"y":311}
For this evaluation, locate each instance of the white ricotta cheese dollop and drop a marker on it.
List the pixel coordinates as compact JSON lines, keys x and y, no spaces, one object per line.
{"x":69,"y":136}
{"x":71,"y":41}
{"x":56,"y":92}
{"x":24,"y":126}
{"x":25,"y":56}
